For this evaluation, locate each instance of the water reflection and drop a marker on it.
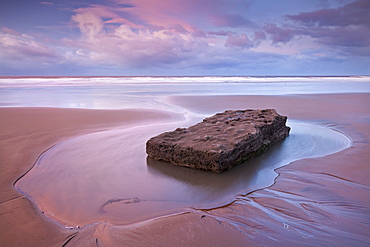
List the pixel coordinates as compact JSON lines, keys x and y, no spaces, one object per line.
{"x":305,"y":141}
{"x":107,"y":176}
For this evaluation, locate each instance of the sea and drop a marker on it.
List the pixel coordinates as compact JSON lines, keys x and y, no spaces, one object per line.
{"x":147,"y":92}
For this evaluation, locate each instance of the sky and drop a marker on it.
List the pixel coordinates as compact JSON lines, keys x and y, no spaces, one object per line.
{"x":184,"y":37}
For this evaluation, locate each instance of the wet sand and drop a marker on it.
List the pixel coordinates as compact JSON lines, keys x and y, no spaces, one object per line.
{"x":314,"y":202}
{"x":120,"y":184}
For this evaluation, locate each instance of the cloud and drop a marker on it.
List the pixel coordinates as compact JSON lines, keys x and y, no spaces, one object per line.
{"x":16,"y":46}
{"x":220,"y":33}
{"x":355,"y":13}
{"x":171,"y":46}
{"x":278,"y":34}
{"x":47,"y":3}
{"x":190,"y":14}
{"x":163,"y":33}
{"x":194,"y":34}
{"x":259,"y":35}
{"x":347,"y":27}
{"x":162,"y":13}
{"x":129,"y":47}
{"x":151,"y":33}
{"x":9,"y":31}
{"x":23,"y":54}
{"x":88,"y":23}
{"x":241,"y":41}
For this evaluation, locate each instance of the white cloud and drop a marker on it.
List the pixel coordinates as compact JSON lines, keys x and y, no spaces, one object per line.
{"x":88,"y":23}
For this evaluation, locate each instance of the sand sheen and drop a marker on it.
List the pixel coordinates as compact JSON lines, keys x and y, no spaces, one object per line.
{"x":222,"y":141}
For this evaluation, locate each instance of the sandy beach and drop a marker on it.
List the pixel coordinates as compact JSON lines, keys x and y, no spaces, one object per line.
{"x":314,"y":202}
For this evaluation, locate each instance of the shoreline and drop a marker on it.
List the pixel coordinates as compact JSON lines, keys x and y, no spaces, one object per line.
{"x":266,"y":205}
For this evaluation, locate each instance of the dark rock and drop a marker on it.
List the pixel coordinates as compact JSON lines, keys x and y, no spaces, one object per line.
{"x":220,"y":142}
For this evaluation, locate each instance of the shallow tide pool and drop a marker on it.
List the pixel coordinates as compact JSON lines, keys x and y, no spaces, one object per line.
{"x":107,"y":177}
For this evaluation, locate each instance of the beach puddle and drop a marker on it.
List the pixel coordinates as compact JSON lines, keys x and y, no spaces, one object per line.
{"x":107,"y":177}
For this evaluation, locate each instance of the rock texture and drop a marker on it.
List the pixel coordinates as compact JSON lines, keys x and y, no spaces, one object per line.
{"x":220,"y":142}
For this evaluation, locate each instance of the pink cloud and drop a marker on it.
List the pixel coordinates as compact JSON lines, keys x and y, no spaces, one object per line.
{"x":18,"y":46}
{"x":259,"y":35}
{"x":129,"y":47}
{"x":6,"y":30}
{"x":241,"y":41}
{"x":220,"y":33}
{"x":156,"y":32}
{"x":99,"y":10}
{"x":194,"y":33}
{"x":123,"y":21}
{"x":190,"y":14}
{"x":278,"y":34}
{"x":46,"y":3}
{"x":158,"y":12}
{"x":166,"y":32}
{"x":111,"y":15}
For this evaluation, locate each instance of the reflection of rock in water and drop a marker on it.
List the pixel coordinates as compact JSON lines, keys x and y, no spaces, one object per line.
{"x":209,"y":183}
{"x":201,"y":178}
{"x":222,"y":141}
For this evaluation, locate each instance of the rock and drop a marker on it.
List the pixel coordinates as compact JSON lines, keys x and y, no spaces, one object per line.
{"x":220,"y":142}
